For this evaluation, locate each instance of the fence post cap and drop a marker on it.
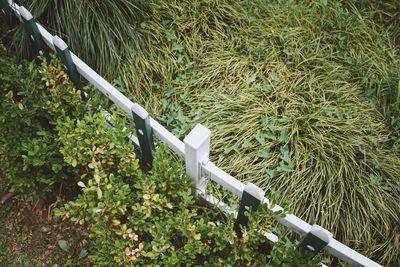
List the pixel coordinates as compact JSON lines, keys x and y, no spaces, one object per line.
{"x":138,"y":110}
{"x":25,"y":14}
{"x":59,"y":43}
{"x":197,"y":136}
{"x":255,"y":191}
{"x":321,"y":233}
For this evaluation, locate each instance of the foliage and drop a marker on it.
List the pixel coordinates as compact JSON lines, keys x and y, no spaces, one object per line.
{"x":301,"y":96}
{"x":131,"y":218}
{"x":295,"y":101}
{"x":34,"y":100}
{"x":104,"y":34}
{"x":152,"y":219}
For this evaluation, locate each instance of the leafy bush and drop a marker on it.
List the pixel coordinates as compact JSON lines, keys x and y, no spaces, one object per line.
{"x":34,"y":100}
{"x":152,"y":219}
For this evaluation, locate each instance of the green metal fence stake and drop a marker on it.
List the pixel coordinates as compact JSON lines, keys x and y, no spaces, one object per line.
{"x":33,"y":30}
{"x":64,"y":54}
{"x":145,"y":136}
{"x":251,"y":199}
{"x":316,"y":239}
{"x":6,"y":9}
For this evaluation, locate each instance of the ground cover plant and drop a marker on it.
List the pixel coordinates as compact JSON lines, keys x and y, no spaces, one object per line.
{"x":301,"y":97}
{"x":108,"y":212}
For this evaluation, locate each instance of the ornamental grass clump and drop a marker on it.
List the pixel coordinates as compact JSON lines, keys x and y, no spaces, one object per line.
{"x":305,"y":103}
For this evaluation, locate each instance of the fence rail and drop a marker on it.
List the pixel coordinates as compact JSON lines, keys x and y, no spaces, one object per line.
{"x":195,"y":148}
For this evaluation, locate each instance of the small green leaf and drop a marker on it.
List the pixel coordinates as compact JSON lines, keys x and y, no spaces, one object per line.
{"x":251,"y":79}
{"x":246,"y":144}
{"x":99,"y":193}
{"x":285,"y":153}
{"x":263,"y":154}
{"x":272,"y":173}
{"x":284,"y":137}
{"x":74,"y":163}
{"x":97,"y":178}
{"x":260,"y":137}
{"x":81,"y":184}
{"x":285,"y":168}
{"x":63,"y":245}
{"x":83,"y":253}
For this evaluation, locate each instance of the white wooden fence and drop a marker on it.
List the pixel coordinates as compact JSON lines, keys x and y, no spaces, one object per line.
{"x":194,"y":149}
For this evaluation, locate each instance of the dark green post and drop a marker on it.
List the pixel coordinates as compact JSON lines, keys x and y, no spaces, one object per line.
{"x":316,"y":240}
{"x":6,"y":9}
{"x":145,"y":135}
{"x":33,"y":30}
{"x":251,"y":199}
{"x":64,"y":54}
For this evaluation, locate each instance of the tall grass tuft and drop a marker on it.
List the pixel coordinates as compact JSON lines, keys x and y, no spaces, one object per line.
{"x":97,"y":30}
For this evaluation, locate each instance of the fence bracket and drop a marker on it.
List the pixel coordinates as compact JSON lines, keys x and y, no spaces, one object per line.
{"x":64,"y":54}
{"x":316,"y":239}
{"x":145,"y":136}
{"x":252,"y":198}
{"x":33,"y":30}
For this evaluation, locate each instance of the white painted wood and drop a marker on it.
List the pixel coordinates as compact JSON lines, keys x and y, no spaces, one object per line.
{"x":25,"y":13}
{"x":47,"y":37}
{"x":167,"y":137}
{"x":59,"y":43}
{"x":134,"y":139}
{"x":321,"y":233}
{"x":220,"y":204}
{"x":273,"y":238}
{"x":224,"y":179}
{"x":141,"y":112}
{"x":295,"y":223}
{"x":197,"y":152}
{"x":15,"y":9}
{"x":105,"y":87}
{"x":255,"y":191}
{"x":348,"y":255}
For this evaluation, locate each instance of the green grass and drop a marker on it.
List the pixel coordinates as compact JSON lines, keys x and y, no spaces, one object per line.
{"x":301,"y":97}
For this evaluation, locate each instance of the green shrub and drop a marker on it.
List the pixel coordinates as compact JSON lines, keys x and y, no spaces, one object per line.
{"x":152,"y":219}
{"x":34,"y":100}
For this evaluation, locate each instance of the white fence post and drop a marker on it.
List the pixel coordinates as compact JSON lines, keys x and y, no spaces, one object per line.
{"x":197,"y":151}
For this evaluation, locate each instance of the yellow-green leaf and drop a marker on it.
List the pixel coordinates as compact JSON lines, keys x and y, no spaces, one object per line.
{"x":99,"y":193}
{"x":97,"y":178}
{"x":74,"y":163}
